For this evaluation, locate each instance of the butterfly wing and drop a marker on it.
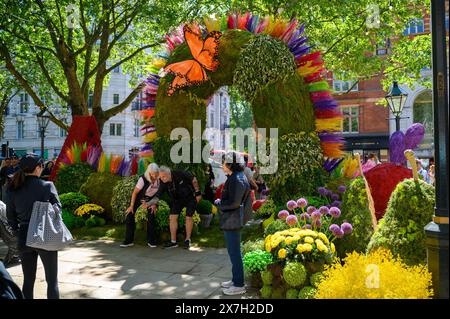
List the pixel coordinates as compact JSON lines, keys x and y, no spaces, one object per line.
{"x":193,"y":37}
{"x":186,"y":73}
{"x":208,"y":56}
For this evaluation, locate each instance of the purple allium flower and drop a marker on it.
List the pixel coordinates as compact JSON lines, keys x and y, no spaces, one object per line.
{"x":322,"y":191}
{"x":292,"y":204}
{"x":336,"y":203}
{"x":317,"y":223}
{"x":307,"y":226}
{"x":283,"y":214}
{"x":335,"y":212}
{"x":347,"y":228}
{"x":302,"y":202}
{"x":304,"y":216}
{"x":339,"y":233}
{"x":291,"y":220}
{"x":316,"y":215}
{"x":328,"y":193}
{"x":311,"y":209}
{"x":341,"y":189}
{"x":333,"y":228}
{"x":324,"y":210}
{"x":335,"y":196}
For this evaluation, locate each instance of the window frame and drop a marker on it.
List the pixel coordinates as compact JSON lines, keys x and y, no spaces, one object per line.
{"x":114,"y":98}
{"x":352,"y":117}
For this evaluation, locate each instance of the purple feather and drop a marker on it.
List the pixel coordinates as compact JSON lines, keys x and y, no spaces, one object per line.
{"x":300,"y":51}
{"x":327,"y":137}
{"x":331,"y":164}
{"x":294,"y":44}
{"x":414,"y":136}
{"x":146,"y":147}
{"x":326,"y":104}
{"x":294,"y":38}
{"x":248,"y":25}
{"x":397,"y":147}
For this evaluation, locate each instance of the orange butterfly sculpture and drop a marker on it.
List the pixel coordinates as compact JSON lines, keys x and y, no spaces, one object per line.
{"x":204,"y":52}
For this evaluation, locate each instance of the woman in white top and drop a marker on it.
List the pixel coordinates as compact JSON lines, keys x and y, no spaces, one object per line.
{"x":145,"y":190}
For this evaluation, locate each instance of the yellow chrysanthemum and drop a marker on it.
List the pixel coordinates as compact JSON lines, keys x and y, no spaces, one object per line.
{"x":309,"y":240}
{"x":268,"y":247}
{"x":300,"y":248}
{"x":302,"y":233}
{"x":324,"y":238}
{"x":333,"y":249}
{"x":282,"y":253}
{"x":307,"y":247}
{"x":295,"y":229}
{"x":289,"y":240}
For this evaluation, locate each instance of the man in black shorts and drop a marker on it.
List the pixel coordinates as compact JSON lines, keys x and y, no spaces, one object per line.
{"x":184,"y":192}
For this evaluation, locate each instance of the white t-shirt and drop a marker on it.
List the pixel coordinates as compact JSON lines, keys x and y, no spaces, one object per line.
{"x":248,"y":173}
{"x":152,"y":188}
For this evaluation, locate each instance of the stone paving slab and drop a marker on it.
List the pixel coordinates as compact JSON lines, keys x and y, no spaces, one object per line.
{"x":101,"y":269}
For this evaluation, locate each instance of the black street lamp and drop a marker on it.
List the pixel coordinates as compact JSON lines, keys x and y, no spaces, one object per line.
{"x":396,"y":100}
{"x":437,"y":230}
{"x":43,"y":121}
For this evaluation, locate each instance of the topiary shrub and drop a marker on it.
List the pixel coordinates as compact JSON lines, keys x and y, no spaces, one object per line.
{"x":300,"y":170}
{"x":121,"y":198}
{"x":401,"y":230}
{"x":70,"y":177}
{"x":71,"y":221}
{"x":99,"y":187}
{"x":162,"y":216}
{"x":266,"y":277}
{"x":256,"y":261}
{"x":294,"y":274}
{"x":266,"y":292}
{"x":94,"y":221}
{"x":71,"y":201}
{"x":252,"y":245}
{"x":307,"y":292}
{"x":277,"y":225}
{"x":291,"y":293}
{"x":315,"y":279}
{"x":266,"y":210}
{"x":204,"y":207}
{"x":355,"y":210}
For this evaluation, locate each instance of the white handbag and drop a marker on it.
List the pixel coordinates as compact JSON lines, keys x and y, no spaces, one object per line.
{"x":46,"y":229}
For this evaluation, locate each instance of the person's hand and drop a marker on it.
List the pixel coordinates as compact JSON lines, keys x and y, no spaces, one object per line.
{"x":217,"y":202}
{"x":198,"y":198}
{"x":153,"y":209}
{"x":144,"y":204}
{"x":130,"y":210}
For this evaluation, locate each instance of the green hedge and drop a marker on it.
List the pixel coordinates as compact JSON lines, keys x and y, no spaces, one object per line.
{"x":121,"y":198}
{"x":71,"y":201}
{"x":401,"y":230}
{"x":99,"y":187}
{"x":70,"y":178}
{"x":355,"y":210}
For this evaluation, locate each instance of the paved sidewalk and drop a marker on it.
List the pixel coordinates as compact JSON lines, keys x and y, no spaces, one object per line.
{"x":101,"y":269}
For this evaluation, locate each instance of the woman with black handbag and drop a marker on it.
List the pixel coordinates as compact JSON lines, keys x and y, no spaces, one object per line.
{"x":235,"y":205}
{"x":25,"y":189}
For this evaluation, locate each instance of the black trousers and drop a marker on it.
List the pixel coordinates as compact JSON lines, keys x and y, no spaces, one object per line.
{"x":130,"y":228}
{"x":29,"y":258}
{"x":49,"y":259}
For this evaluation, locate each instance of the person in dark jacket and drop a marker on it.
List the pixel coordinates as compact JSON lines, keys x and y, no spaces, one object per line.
{"x":7,"y":235}
{"x":8,"y":288}
{"x":208,"y":193}
{"x":184,"y":192}
{"x":145,"y":189}
{"x":25,"y":189}
{"x":234,"y":195}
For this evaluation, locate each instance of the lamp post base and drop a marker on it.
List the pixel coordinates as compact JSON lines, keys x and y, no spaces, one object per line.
{"x":437,"y":257}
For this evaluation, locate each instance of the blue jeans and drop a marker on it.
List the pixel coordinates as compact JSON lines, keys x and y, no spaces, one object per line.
{"x":233,"y":241}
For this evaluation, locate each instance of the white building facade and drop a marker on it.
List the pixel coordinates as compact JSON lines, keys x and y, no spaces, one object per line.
{"x":218,"y":120}
{"x":121,"y":133}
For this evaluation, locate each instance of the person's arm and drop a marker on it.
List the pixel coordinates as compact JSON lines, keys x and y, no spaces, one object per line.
{"x":198,"y":192}
{"x":11,"y":214}
{"x":236,"y":190}
{"x":54,"y":198}
{"x":133,"y":200}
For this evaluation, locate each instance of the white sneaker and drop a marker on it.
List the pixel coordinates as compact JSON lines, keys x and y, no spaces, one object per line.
{"x":227,"y":284}
{"x":234,"y":291}
{"x":150,"y":245}
{"x":127,"y":245}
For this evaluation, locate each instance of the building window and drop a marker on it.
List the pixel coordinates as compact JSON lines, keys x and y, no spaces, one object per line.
{"x":414,"y":26}
{"x":62,"y":132}
{"x":20,"y":129}
{"x":350,"y":123}
{"x":423,"y":113}
{"x":116,"y":98}
{"x":116,"y":69}
{"x":383,"y":47}
{"x":136,"y":127}
{"x":90,"y":100}
{"x":115,"y":129}
{"x":211,"y":119}
{"x":344,"y":86}
{"x":24,"y":103}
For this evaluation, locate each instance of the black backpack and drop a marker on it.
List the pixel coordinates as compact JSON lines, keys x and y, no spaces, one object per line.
{"x":8,"y":288}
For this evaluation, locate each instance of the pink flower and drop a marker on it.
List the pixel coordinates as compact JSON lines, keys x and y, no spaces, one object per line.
{"x":292,"y":204}
{"x":302,"y":202}
{"x":335,"y":212}
{"x":283,"y":214}
{"x":311,"y":209}
{"x":316,"y":215}
{"x":291,"y":220}
{"x":347,"y":228}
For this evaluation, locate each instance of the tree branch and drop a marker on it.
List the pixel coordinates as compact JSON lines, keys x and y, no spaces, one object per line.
{"x":122,"y":106}
{"x":49,"y":79}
